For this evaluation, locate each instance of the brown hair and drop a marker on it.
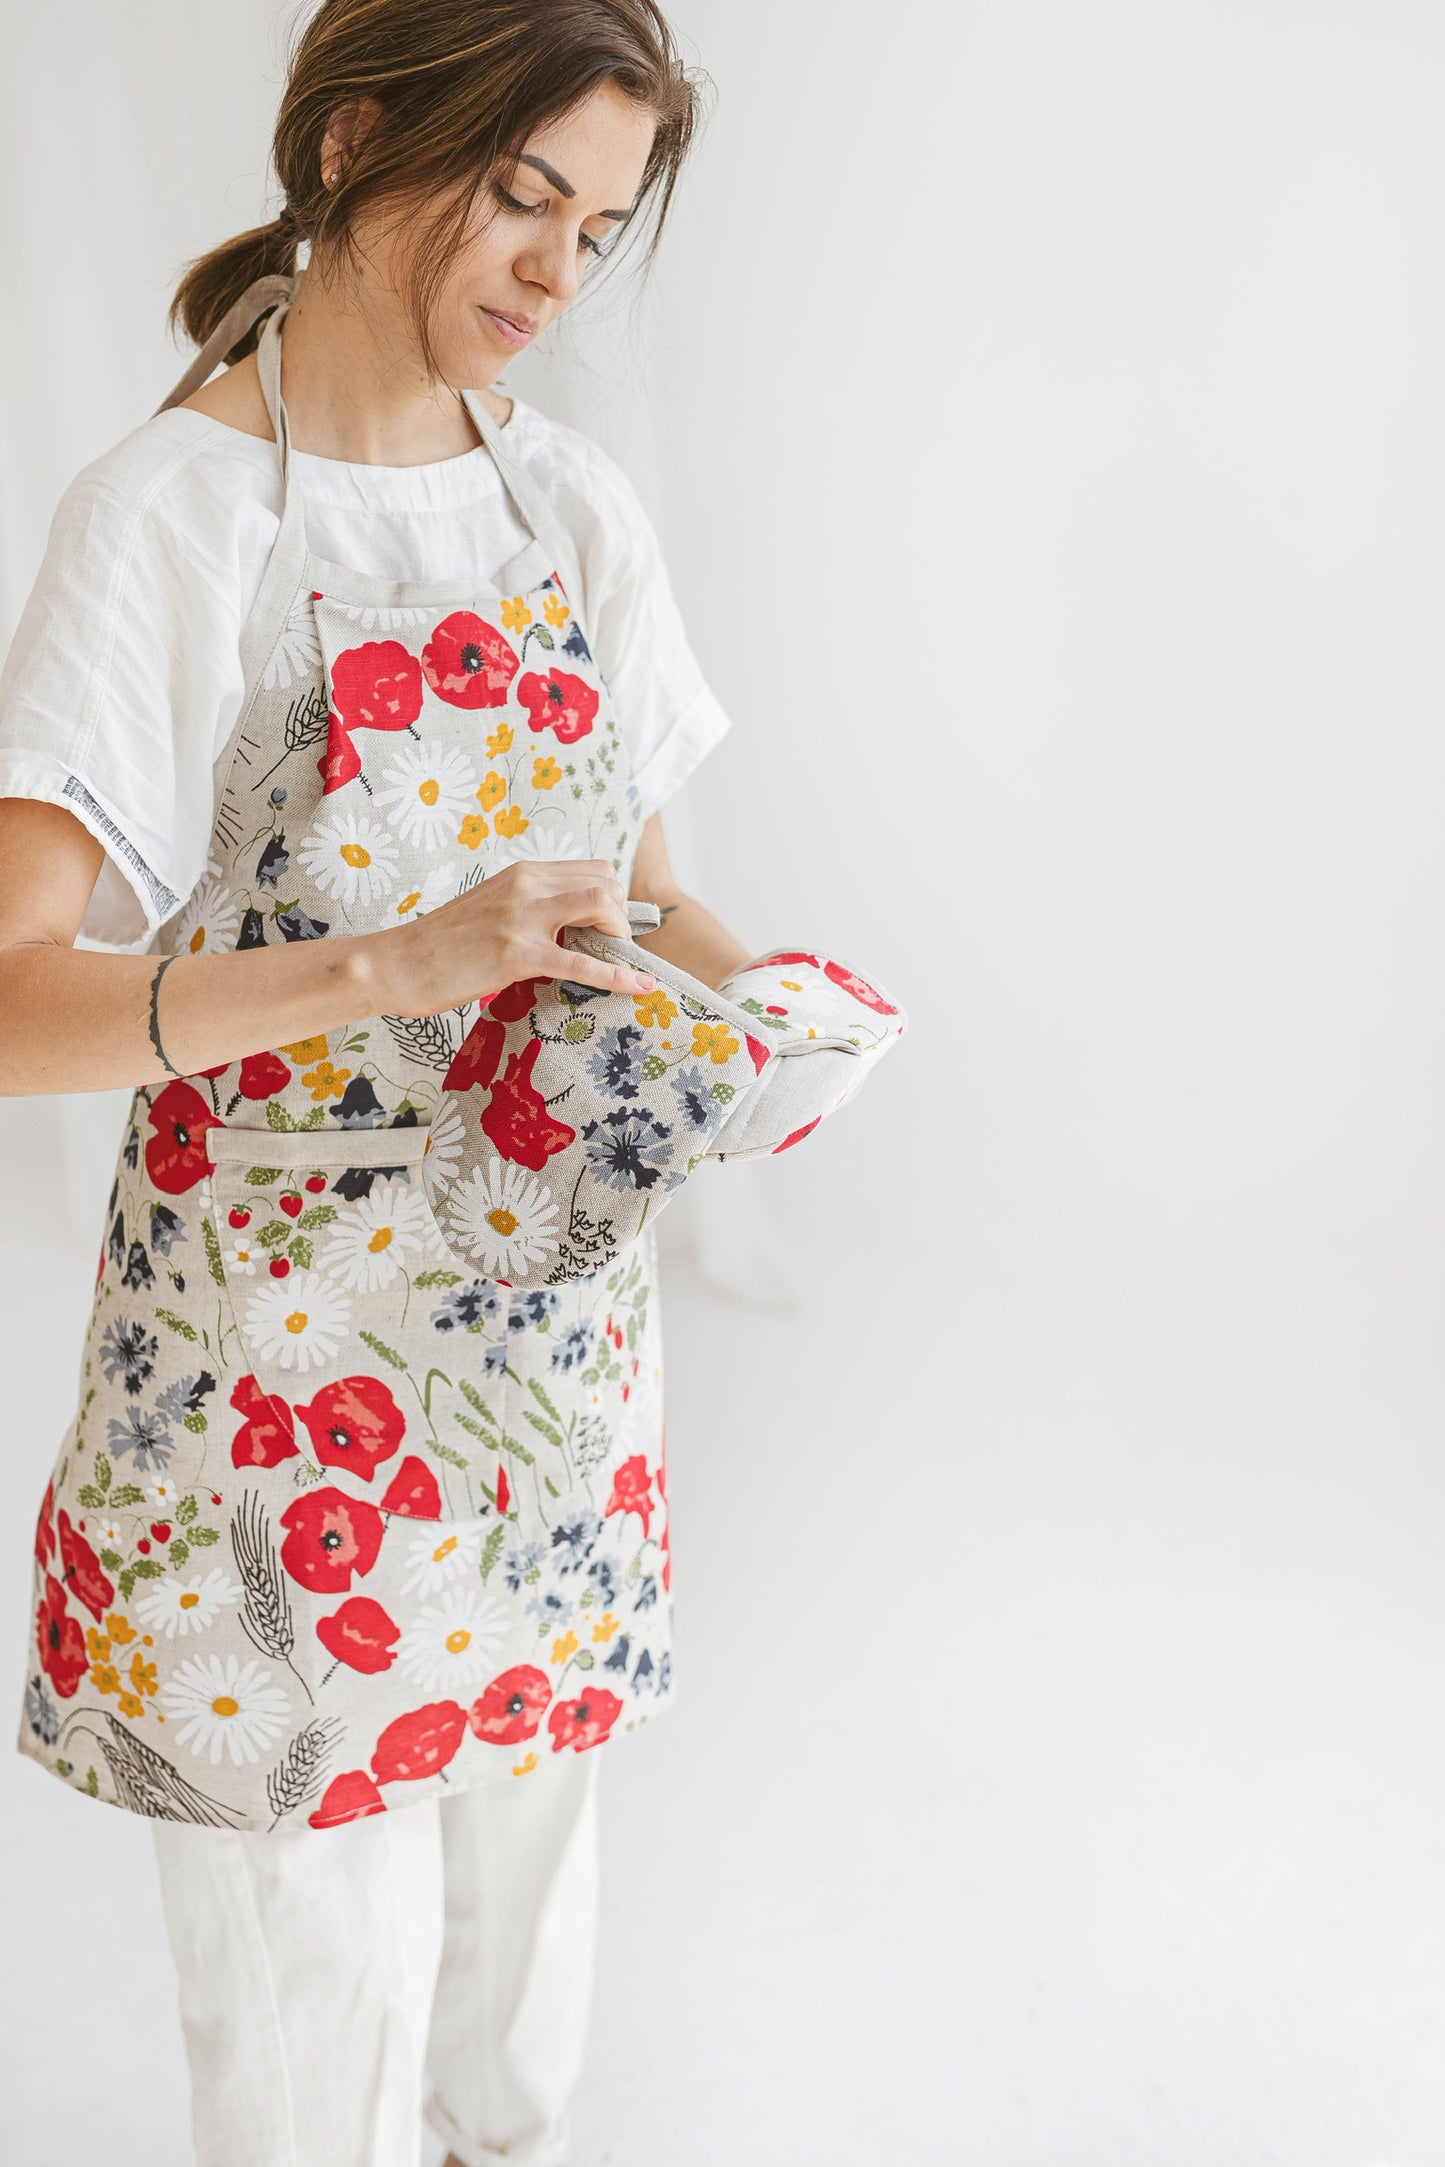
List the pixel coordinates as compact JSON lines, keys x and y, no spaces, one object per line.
{"x":460,"y":84}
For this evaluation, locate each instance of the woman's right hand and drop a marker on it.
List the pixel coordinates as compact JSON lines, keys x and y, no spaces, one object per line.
{"x":504,"y":929}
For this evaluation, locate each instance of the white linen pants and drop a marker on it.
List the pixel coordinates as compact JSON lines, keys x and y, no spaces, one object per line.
{"x":337,"y":1984}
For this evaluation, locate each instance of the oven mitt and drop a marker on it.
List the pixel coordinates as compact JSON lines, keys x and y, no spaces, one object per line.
{"x":570,"y":1116}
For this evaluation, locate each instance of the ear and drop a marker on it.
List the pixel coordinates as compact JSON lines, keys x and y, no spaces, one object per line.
{"x":347,"y":130}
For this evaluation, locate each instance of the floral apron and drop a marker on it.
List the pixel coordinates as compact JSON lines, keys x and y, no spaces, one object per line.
{"x":338,"y":1527}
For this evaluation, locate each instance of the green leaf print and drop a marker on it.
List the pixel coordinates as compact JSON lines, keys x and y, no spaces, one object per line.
{"x":274,"y":1232}
{"x":492,"y":1548}
{"x":213,"y":1252}
{"x":195,"y":1421}
{"x":186,"y":1510}
{"x":147,"y":1569}
{"x":179,"y":1551}
{"x":584,"y":1659}
{"x":301,"y":1252}
{"x":201,"y":1536}
{"x":110,"y":1559}
{"x":379,"y":1346}
{"x":551,"y":1485}
{"x":316,"y":1117}
{"x":319,"y":1215}
{"x":125,"y":1583}
{"x":470,"y":1393}
{"x":92,"y":1783}
{"x":539,"y":1395}
{"x":90,"y":1497}
{"x":102,"y":1472}
{"x":433,"y":1279}
{"x":129,"y":1493}
{"x":278,"y":1118}
{"x":261,"y":1177}
{"x":548,"y":1429}
{"x":446,"y":1452}
{"x":176,"y":1324}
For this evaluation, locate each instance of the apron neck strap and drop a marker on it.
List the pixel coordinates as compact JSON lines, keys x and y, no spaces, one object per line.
{"x":270,"y":292}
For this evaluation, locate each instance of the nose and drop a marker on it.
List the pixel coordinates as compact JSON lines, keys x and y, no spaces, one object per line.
{"x":553,"y":266}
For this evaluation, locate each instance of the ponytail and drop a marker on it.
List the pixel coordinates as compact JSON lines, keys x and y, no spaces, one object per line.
{"x":215,"y":282}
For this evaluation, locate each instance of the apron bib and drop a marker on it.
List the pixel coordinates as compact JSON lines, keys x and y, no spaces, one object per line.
{"x":338,"y":1526}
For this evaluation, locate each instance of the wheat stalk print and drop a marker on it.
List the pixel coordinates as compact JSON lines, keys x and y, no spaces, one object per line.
{"x":427,"y":1040}
{"x":298,"y":1775}
{"x":267,"y":1614}
{"x":146,"y":1783}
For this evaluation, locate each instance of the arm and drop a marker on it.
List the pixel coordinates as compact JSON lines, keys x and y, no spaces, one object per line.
{"x":75,"y":1021}
{"x":689,"y":935}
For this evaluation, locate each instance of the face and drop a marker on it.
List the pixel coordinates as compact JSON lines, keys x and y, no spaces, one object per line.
{"x":536,"y":230}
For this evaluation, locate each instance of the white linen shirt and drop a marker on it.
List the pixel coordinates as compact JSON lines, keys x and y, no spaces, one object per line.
{"x":123,"y":683}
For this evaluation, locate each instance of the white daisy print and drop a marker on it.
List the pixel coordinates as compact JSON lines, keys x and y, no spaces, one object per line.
{"x":427,"y":791}
{"x":225,"y":1706}
{"x":241,"y":1259}
{"x":109,"y":1535}
{"x":547,"y":835}
{"x":451,"y":1645}
{"x":432,"y":1561}
{"x":351,"y":857}
{"x":503,"y":1217}
{"x":298,"y":1322}
{"x":378,"y":1238}
{"x":298,"y":649}
{"x":211,"y":920}
{"x":438,"y":887}
{"x":162,"y":1494}
{"x":444,"y":1143}
{"x":185,"y":1606}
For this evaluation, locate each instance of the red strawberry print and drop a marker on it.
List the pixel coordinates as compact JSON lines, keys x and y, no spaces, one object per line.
{"x":316,"y":1183}
{"x":238,"y":1216}
{"x":292,"y":1204}
{"x":467,"y":661}
{"x":349,"y":1797}
{"x":511,"y":1708}
{"x":418,"y":1744}
{"x":176,"y":1156}
{"x":516,"y":1118}
{"x":558,"y":702}
{"x":161,"y":1529}
{"x":279,"y":1267}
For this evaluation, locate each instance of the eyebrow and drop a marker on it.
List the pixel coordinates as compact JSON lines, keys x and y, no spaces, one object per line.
{"x":563,"y":188}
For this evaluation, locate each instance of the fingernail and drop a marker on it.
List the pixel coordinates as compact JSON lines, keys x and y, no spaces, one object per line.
{"x":646,"y":980}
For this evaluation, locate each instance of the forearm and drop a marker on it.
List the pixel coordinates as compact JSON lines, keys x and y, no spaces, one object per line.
{"x":71,"y":1020}
{"x":691,"y":937}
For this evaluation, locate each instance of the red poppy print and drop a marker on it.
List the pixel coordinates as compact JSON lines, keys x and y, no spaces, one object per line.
{"x":376,"y":686}
{"x":504,"y":1495}
{"x":477,"y":1057}
{"x":268,"y":1431}
{"x":44,"y":1532}
{"x":516,"y":1118}
{"x":511,"y":1708}
{"x":349,"y":1797}
{"x":418,"y":1744}
{"x":797,"y":1135}
{"x":558,"y":702}
{"x":467,"y":661}
{"x":59,"y":1640}
{"x":341,"y":760}
{"x":414,"y":1491}
{"x":784,"y":955}
{"x":583,"y":1722}
{"x":176,"y":1155}
{"x":262,"y":1076}
{"x":761,"y":1054}
{"x":859,"y":988}
{"x":632,"y":1491}
{"x":330,"y":1538}
{"x":81,"y":1572}
{"x":515,"y":1001}
{"x":360,"y":1634}
{"x":666,"y":1536}
{"x":354,"y":1423}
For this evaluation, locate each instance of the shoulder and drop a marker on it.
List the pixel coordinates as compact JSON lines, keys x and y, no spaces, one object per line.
{"x":177,"y":481}
{"x":597,"y":495}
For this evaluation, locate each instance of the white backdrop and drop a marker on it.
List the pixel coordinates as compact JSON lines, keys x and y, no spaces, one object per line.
{"x":1040,"y":402}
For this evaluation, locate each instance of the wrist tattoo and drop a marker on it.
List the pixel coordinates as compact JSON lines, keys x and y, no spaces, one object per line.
{"x":161,"y":1055}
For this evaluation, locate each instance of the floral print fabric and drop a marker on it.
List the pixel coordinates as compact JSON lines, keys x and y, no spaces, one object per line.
{"x":340,"y":1523}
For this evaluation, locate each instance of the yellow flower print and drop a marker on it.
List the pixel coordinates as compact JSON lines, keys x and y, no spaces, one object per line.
{"x":545,"y":773}
{"x":471,"y":831}
{"x":119,"y":1628}
{"x":511,"y":822}
{"x":408,"y":902}
{"x":97,"y":1646}
{"x":564,"y":1645}
{"x":605,"y":1627}
{"x":326,"y":1082}
{"x":500,"y":740}
{"x":654,"y":1007}
{"x":524,"y":1768}
{"x":142,"y":1674}
{"x":129,"y":1705}
{"x":307,"y":1049}
{"x":555,"y":612}
{"x":794,"y":985}
{"x":515,"y":614}
{"x":105,"y":1677}
{"x":492,"y":790}
{"x":714,"y":1040}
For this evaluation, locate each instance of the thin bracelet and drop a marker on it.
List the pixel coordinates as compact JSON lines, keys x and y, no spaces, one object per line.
{"x":161,"y":1053}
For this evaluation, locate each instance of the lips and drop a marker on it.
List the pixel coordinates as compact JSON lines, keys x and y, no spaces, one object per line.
{"x":516,"y":330}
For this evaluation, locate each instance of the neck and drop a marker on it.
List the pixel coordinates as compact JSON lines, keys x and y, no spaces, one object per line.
{"x":355,"y":388}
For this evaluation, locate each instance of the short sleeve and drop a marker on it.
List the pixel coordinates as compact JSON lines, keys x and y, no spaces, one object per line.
{"x":669,"y":716}
{"x":111,"y":691}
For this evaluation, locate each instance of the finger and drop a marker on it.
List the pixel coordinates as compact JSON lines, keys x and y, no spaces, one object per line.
{"x":593,"y":903}
{"x":585,"y":970}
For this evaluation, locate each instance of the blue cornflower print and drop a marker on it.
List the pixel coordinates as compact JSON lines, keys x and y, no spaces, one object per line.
{"x":142,"y":1438}
{"x":573,"y":1540}
{"x":467,"y":1306}
{"x":522,"y":1561}
{"x":616,"y":1064}
{"x":602,"y":1572}
{"x":627,"y":1148}
{"x":536,"y":1306}
{"x":41,"y":1712}
{"x":573,"y":1348}
{"x":550,"y":1606}
{"x":127,"y":1351}
{"x":696,"y":1105}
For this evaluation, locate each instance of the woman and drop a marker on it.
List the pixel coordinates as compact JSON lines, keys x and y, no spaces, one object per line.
{"x":341,"y":693}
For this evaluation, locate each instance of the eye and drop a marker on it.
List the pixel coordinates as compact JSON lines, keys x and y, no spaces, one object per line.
{"x":512,"y":203}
